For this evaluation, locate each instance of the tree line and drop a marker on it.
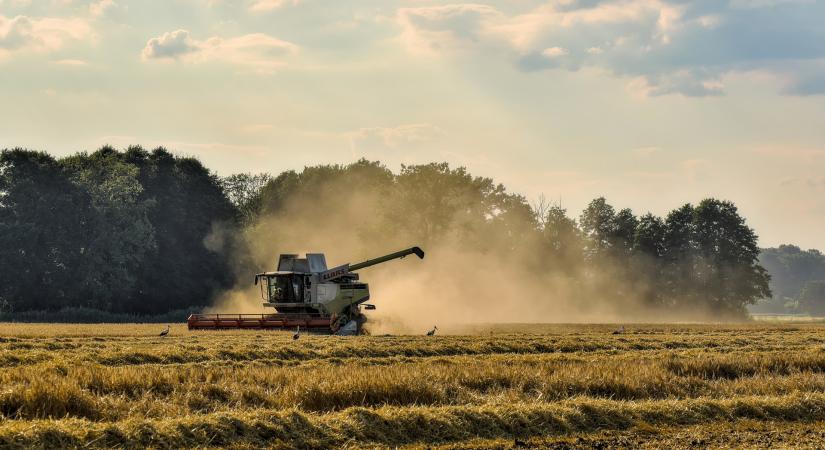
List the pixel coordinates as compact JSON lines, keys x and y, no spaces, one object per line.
{"x":113,"y":231}
{"x":797,"y":280}
{"x":148,"y":232}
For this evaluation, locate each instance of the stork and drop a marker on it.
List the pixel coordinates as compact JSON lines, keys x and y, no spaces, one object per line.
{"x":165,"y":332}
{"x":432,"y":332}
{"x":297,"y":333}
{"x":620,"y":330}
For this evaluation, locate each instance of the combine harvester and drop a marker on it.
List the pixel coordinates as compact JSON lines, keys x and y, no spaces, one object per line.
{"x":306,"y":294}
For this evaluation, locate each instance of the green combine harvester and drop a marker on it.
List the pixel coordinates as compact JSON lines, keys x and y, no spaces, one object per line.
{"x":306,"y":294}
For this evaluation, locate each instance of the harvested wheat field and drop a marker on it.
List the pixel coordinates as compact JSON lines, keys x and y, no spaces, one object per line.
{"x":556,"y":386}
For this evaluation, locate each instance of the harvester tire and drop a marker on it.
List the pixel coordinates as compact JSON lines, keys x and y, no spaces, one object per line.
{"x":342,"y":320}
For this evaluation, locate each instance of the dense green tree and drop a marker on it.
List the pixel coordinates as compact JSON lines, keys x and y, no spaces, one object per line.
{"x":623,"y":233}
{"x":728,"y":267}
{"x":711,"y":259}
{"x":131,"y":232}
{"x":44,"y":232}
{"x":438,"y":201}
{"x":647,"y":259}
{"x":598,"y":226}
{"x":123,"y":235}
{"x":192,"y":220}
{"x":679,"y":257}
{"x":649,"y":236}
{"x":244,"y":191}
{"x":319,"y":186}
{"x":562,"y":238}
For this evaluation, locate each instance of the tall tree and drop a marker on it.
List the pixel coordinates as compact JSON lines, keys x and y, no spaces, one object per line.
{"x":442,"y":201}
{"x":562,"y":241}
{"x":679,"y":259}
{"x":44,"y":232}
{"x":123,"y":235}
{"x":244,"y":191}
{"x":730,"y":269}
{"x":623,"y":233}
{"x":598,"y":226}
{"x":188,"y":206}
{"x":649,"y":236}
{"x":648,"y":259}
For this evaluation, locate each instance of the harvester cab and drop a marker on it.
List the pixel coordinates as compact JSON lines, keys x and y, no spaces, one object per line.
{"x":306,"y":293}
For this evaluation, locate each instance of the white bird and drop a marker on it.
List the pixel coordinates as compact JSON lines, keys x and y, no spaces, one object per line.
{"x":432,"y":332}
{"x":297,"y":333}
{"x":165,"y":332}
{"x":620,"y":330}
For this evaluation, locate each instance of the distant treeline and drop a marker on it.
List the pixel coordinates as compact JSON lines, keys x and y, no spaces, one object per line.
{"x":797,"y":281}
{"x":140,"y":232}
{"x":121,"y":232}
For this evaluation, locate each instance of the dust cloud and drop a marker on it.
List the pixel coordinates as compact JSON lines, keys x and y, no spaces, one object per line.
{"x":473,"y":272}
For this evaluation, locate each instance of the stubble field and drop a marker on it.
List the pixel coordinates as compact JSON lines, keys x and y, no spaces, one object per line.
{"x":556,"y":386}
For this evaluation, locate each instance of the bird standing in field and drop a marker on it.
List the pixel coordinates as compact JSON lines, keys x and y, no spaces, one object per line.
{"x":432,"y":332}
{"x":165,"y":332}
{"x":620,"y":330}
{"x":297,"y":333}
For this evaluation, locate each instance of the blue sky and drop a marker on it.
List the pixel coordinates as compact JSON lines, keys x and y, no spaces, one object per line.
{"x":651,"y":103}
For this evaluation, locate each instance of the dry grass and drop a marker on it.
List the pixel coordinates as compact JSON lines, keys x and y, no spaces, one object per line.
{"x":121,"y":385}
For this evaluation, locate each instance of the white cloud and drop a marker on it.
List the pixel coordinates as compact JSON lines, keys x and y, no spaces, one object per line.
{"x":269,"y":5}
{"x":661,"y":46}
{"x":554,"y":52}
{"x":259,"y":51}
{"x":437,"y":28}
{"x":46,"y":34}
{"x":710,"y":21}
{"x":169,"y":45}
{"x":99,"y":8}
{"x":655,"y":19}
{"x":685,"y":82}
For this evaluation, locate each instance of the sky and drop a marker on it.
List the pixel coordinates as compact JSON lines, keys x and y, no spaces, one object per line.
{"x":650,"y":103}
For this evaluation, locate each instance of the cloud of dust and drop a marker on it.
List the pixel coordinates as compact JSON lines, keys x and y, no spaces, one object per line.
{"x":472,"y":273}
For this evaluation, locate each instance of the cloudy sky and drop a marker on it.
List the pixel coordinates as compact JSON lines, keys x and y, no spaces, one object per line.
{"x":651,"y":103}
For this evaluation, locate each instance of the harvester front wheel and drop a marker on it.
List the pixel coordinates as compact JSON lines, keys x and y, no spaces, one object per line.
{"x":342,"y":320}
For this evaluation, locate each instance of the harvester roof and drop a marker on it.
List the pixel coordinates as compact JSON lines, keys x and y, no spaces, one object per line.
{"x":313,"y":263}
{"x":278,"y":272}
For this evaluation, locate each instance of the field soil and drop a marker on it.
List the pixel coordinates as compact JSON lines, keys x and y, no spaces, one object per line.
{"x":513,"y":386}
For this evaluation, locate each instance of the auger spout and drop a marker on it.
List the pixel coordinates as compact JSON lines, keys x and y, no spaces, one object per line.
{"x":371,"y":262}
